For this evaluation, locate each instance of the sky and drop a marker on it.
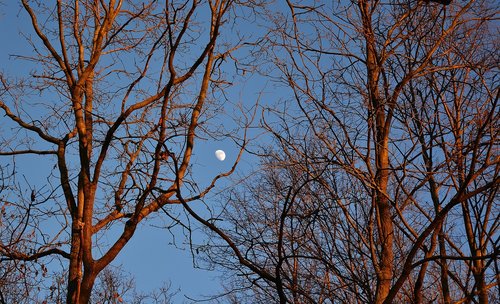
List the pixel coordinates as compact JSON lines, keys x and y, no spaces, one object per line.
{"x":151,"y":257}
{"x":154,"y":255}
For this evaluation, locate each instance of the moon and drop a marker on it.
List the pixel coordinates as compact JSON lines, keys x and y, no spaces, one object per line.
{"x":220,"y":155}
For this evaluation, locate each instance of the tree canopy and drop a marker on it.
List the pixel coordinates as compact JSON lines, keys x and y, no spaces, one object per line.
{"x":375,"y":165}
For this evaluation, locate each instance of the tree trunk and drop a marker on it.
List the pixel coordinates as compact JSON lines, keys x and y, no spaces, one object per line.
{"x":481,"y":287}
{"x":445,"y":287}
{"x":75,"y":272}
{"x":86,"y":287}
{"x":377,"y":109}
{"x":385,"y":227}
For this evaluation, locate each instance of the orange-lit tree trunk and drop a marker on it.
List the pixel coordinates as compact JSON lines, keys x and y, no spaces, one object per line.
{"x":381,"y":110}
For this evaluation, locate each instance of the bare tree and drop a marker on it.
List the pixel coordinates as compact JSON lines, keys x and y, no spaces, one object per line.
{"x":445,"y":108}
{"x":119,"y":92}
{"x":113,"y":285}
{"x":380,"y":185}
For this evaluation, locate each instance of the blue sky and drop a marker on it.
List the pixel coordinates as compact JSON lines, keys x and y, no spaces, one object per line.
{"x":151,"y":257}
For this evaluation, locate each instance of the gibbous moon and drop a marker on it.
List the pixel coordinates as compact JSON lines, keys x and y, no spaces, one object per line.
{"x":220,"y":155}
